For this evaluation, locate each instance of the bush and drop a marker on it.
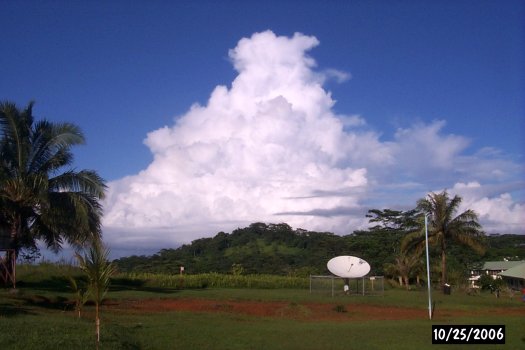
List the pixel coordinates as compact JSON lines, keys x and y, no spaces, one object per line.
{"x":486,"y":282}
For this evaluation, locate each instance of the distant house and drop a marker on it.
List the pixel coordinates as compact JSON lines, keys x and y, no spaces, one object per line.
{"x":498,"y":269}
{"x":515,"y":276}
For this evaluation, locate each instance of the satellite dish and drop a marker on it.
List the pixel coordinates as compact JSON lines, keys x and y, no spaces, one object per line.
{"x":348,"y":266}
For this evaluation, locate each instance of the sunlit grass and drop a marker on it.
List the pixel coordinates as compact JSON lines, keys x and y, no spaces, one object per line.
{"x":39,"y":316}
{"x":51,"y":329}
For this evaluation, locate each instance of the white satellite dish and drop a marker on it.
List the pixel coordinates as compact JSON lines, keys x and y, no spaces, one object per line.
{"x":348,"y":266}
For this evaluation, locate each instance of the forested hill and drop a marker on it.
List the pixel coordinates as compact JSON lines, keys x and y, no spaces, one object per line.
{"x":279,"y":249}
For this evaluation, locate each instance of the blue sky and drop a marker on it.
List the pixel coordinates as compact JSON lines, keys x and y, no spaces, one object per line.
{"x":448,"y":71}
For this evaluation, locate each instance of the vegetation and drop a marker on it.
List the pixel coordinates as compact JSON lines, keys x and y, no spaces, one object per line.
{"x":81,"y":294}
{"x":487,"y":282}
{"x":261,"y":249}
{"x":210,"y":280}
{"x":41,"y":197}
{"x":510,"y":247}
{"x":277,"y":249}
{"x":39,"y":311}
{"x":98,"y":271}
{"x":405,"y":266}
{"x":266,"y":249}
{"x":445,"y":228}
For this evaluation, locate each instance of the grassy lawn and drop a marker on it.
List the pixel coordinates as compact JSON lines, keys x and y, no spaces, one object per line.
{"x":38,"y":317}
{"x":35,"y":328}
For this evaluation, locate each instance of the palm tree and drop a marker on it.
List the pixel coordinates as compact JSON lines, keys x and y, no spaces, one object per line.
{"x":81,"y":294}
{"x":404,"y":267}
{"x":41,"y":197}
{"x":445,"y":227}
{"x":98,"y":270}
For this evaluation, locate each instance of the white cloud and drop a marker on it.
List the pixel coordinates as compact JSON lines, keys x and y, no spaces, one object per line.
{"x":255,"y":150}
{"x":270,"y":148}
{"x":338,"y":75}
{"x":499,"y":213}
{"x":423,"y":147}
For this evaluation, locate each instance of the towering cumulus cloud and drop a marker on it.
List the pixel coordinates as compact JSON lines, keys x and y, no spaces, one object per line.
{"x":267,"y":146}
{"x":270,"y":148}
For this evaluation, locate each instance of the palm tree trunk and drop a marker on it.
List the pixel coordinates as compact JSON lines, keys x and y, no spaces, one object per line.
{"x":407,"y":283}
{"x":10,"y":259}
{"x":443,"y":267}
{"x":97,"y":323}
{"x":8,"y":268}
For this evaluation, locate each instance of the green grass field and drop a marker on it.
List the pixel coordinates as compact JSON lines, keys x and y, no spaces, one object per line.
{"x":37,"y":317}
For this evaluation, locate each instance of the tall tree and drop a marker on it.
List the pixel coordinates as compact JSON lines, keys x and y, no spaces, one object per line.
{"x":446,"y":228}
{"x":393,"y":220}
{"x":41,"y":196}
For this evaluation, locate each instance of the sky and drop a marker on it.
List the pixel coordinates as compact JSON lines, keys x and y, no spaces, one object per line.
{"x":207,"y":116}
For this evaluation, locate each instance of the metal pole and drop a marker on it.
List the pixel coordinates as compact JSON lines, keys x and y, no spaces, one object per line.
{"x":428,"y":271}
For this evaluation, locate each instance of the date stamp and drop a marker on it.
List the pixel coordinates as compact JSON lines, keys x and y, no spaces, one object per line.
{"x":468,"y":334}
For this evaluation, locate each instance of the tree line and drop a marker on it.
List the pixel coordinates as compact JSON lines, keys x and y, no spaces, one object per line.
{"x":393,"y":246}
{"x":262,"y":248}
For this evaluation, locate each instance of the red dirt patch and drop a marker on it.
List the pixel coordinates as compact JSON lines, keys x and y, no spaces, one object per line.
{"x":302,"y":311}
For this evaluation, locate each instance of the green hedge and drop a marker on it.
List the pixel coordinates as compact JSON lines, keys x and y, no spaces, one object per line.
{"x":213,"y":280}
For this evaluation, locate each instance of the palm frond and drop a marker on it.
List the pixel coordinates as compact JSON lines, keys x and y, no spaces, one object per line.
{"x":35,"y":201}
{"x":15,"y":127}
{"x":51,"y":144}
{"x":413,"y":241}
{"x":85,"y":181}
{"x":98,"y":269}
{"x":75,"y":216}
{"x":445,"y":227}
{"x":451,"y":206}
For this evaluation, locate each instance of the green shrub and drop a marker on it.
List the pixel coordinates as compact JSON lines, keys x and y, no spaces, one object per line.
{"x":214,"y":280}
{"x":486,"y":282}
